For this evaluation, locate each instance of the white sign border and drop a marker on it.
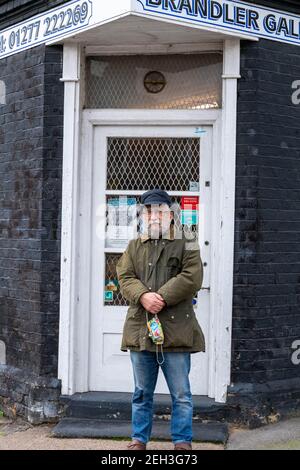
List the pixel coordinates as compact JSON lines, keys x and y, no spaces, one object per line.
{"x":5,"y":33}
{"x":100,"y":13}
{"x":212,"y":25}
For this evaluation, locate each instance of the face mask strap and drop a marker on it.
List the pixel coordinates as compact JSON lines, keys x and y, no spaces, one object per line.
{"x":156,"y":344}
{"x":162,"y":354}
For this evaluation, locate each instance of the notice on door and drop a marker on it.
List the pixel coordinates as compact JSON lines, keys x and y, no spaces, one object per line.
{"x":121,"y":221}
{"x":189,"y":210}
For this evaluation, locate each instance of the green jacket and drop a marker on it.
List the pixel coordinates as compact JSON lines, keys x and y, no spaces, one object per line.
{"x":168,"y":267}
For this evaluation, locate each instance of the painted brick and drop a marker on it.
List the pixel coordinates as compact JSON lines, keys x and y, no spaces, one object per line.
{"x":30,"y":208}
{"x":266,"y":314}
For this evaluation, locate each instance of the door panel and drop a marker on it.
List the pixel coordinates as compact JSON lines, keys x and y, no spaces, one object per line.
{"x":126,"y":162}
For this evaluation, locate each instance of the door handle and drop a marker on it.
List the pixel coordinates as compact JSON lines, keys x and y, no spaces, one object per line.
{"x":205,"y":288}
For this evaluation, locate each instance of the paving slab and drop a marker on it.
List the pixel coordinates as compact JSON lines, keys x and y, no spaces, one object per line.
{"x":284,"y":435}
{"x":20,"y":436}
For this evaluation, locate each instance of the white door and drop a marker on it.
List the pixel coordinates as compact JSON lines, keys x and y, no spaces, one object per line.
{"x":126,"y":162}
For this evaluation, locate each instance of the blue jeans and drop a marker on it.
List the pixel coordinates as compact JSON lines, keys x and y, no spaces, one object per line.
{"x":176,"y":370}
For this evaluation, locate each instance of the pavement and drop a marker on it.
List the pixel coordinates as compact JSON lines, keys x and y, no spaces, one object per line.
{"x":20,"y":435}
{"x":284,"y":435}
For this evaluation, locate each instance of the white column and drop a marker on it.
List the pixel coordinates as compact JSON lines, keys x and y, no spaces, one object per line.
{"x":71,"y":75}
{"x":223,"y":339}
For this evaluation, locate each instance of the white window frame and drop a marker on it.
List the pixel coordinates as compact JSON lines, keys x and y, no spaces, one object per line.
{"x":73,"y":350}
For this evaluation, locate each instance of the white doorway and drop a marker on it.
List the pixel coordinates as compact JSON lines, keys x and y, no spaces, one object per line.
{"x":126,"y":161}
{"x":76,"y":334}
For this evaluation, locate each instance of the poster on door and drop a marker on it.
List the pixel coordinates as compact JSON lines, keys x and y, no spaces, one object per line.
{"x":189,"y":210}
{"x":121,"y":221}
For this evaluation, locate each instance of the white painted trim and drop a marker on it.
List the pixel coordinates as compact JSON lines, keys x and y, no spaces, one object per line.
{"x":231,"y":76}
{"x":66,"y":80}
{"x":137,"y":129}
{"x":187,"y":48}
{"x":214,"y":273}
{"x":112,"y":119}
{"x":73,"y":356}
{"x":139,"y":193}
{"x":71,"y":69}
{"x":209,"y":28}
{"x":225,"y":247}
{"x":84,"y":273}
{"x":117,"y":117}
{"x":110,"y":13}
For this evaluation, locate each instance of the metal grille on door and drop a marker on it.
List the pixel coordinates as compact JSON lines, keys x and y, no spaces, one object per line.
{"x":136,"y":165}
{"x":140,"y":164}
{"x":192,"y":81}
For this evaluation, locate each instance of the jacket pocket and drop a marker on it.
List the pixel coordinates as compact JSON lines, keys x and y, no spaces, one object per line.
{"x":171,"y":269}
{"x":173,"y":262}
{"x":131,"y":329}
{"x":174,"y":266}
{"x":178,"y":333}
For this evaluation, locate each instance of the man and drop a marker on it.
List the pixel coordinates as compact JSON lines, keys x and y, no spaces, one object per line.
{"x":159,"y":274}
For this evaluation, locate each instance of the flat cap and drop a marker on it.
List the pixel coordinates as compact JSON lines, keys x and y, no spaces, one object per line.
{"x":156,"y":196}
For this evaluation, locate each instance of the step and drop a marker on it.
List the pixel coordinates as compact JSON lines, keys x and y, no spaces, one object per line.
{"x":109,"y":405}
{"x":213,"y":432}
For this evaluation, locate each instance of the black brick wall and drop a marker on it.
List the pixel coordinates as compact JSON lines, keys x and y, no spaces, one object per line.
{"x":15,"y":11}
{"x":51,"y":208}
{"x":31,"y":126}
{"x":266,"y":313}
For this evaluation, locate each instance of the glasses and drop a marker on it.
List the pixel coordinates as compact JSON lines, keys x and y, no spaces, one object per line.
{"x":155,"y":211}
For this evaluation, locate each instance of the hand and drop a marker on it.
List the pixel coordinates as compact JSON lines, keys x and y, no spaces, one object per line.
{"x":152,"y":302}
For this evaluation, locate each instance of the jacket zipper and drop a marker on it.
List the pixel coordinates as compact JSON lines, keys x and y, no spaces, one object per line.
{"x":154,"y":270}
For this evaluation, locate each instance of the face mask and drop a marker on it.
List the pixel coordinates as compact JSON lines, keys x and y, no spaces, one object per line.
{"x":155,"y":330}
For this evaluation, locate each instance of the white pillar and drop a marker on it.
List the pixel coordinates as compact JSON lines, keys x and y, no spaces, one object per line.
{"x":71,"y":78}
{"x":231,"y":73}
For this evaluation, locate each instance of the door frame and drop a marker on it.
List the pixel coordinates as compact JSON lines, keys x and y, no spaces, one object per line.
{"x":108,"y":318}
{"x":75,"y":274}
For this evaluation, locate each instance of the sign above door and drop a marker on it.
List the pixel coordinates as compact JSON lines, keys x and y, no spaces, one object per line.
{"x":226,"y":17}
{"x":230,"y":15}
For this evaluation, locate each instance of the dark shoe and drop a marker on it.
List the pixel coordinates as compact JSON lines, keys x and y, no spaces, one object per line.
{"x":136,"y":445}
{"x":183,"y":446}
